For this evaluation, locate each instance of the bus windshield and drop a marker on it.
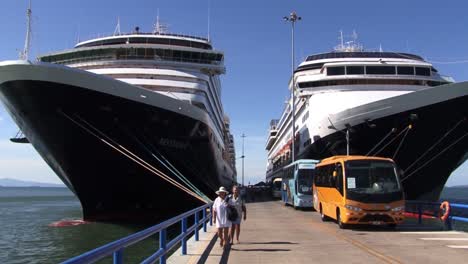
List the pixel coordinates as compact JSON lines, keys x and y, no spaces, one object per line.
{"x":371,"y":177}
{"x":277,"y":184}
{"x":305,"y":179}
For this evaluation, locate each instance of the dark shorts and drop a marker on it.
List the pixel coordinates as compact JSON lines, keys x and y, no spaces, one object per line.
{"x":237,"y":221}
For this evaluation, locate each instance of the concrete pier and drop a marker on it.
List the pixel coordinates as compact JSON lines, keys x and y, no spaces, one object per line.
{"x":274,"y":233}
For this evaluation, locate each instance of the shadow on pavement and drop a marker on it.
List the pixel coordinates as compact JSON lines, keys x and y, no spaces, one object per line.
{"x":271,"y":243}
{"x":262,"y":249}
{"x":206,"y":253}
{"x":225,"y":256}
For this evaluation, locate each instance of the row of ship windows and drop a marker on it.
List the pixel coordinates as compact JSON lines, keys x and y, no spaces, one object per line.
{"x":378,"y":70}
{"x":134,"y":54}
{"x":368,"y":81}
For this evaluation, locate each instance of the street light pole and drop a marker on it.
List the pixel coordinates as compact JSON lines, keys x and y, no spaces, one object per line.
{"x":293,"y":17}
{"x":243,"y":156}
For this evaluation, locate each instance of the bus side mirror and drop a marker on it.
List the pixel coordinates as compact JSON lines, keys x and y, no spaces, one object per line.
{"x":335,"y":173}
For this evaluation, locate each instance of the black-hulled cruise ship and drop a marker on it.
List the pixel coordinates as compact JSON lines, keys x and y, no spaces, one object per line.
{"x":394,"y":105}
{"x":132,"y":123}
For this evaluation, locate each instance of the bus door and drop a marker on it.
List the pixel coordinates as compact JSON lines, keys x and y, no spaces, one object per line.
{"x":288,"y":185}
{"x":338,"y":198}
{"x":329,"y":188}
{"x":291,"y":188}
{"x":304,"y":179}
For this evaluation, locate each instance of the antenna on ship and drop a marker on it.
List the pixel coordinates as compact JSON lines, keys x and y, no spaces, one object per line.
{"x":354,"y":36}
{"x":209,"y":18}
{"x":349,"y":46}
{"x":117,"y":27}
{"x":24,"y":55}
{"x":159,"y":28}
{"x":341,"y":40}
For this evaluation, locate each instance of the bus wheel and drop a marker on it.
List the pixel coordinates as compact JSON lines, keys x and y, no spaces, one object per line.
{"x":322,"y":215}
{"x":338,"y":220}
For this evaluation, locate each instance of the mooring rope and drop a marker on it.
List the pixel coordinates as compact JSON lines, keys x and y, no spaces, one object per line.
{"x":438,"y":154}
{"x":135,"y":158}
{"x":401,"y":143}
{"x":381,"y":141}
{"x":134,"y":154}
{"x":391,"y":141}
{"x":435,"y":144}
{"x":167,"y":164}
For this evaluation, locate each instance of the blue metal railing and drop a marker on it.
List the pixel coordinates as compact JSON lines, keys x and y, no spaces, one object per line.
{"x":422,"y":207}
{"x":117,"y":247}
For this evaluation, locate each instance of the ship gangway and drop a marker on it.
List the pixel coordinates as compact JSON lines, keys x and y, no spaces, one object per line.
{"x":274,"y":233}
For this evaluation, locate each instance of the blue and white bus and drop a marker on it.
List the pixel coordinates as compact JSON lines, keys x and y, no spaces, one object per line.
{"x":298,"y":178}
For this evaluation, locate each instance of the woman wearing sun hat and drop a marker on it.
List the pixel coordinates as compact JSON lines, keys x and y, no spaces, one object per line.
{"x":220,"y":216}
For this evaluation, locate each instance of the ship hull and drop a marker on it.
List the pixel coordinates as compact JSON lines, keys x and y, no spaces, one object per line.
{"x":428,"y":144}
{"x":111,"y":150}
{"x":425,"y":132}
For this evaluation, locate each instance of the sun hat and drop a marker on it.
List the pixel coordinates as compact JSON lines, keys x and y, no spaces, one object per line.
{"x":222,"y":189}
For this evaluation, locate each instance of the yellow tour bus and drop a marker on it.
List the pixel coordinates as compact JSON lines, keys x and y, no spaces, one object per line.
{"x":358,"y":190}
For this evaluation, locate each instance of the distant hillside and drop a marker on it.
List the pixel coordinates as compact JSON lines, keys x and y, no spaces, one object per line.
{"x":6,"y":182}
{"x":455,"y":193}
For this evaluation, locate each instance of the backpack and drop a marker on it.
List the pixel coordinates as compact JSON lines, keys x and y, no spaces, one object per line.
{"x":232,"y":214}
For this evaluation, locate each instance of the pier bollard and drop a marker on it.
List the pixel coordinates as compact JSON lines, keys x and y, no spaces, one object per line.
{"x":184,"y":240}
{"x":204,"y":220}
{"x":118,"y":257}
{"x":162,"y":245}
{"x":196,"y":224}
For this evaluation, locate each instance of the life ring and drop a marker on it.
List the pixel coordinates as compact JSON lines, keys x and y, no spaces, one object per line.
{"x":444,"y":211}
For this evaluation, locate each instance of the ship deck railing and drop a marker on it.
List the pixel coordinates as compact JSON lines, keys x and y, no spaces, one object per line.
{"x":109,"y":35}
{"x":116,"y":248}
{"x":422,"y":209}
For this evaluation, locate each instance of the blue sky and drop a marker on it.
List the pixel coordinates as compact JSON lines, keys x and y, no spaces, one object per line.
{"x":256,"y":43}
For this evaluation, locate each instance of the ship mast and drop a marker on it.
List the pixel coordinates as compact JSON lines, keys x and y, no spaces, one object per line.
{"x":24,"y":55}
{"x":117,"y":28}
{"x":159,"y":28}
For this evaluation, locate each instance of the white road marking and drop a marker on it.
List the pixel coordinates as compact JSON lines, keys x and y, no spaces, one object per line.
{"x":434,"y":233}
{"x":446,"y":238}
{"x":457,"y":246}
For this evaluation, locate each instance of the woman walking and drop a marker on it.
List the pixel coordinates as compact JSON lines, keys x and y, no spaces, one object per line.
{"x":239,"y":204}
{"x":220,"y":216}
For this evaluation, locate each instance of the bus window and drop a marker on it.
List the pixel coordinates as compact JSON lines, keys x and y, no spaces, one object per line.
{"x":276,"y":188}
{"x":371,"y":176}
{"x":305,"y":180}
{"x":339,"y":178}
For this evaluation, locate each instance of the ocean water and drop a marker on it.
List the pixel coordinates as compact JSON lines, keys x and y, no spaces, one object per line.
{"x":27,"y":237}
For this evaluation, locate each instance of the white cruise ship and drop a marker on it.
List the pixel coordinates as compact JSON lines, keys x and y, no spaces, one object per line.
{"x":132,"y":123}
{"x":392,"y":104}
